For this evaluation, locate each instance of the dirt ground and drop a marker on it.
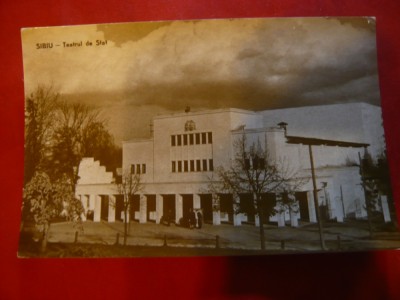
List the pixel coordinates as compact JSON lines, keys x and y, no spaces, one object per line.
{"x":218,"y":240}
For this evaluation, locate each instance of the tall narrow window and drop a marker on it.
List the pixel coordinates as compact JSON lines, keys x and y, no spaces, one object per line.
{"x":143,"y":168}
{"x":210,"y":137}
{"x":185,"y":139}
{"x":198,"y":165}
{"x":185,"y":166}
{"x":179,"y":166}
{"x":191,"y":139}
{"x":172,"y":140}
{"x":210,"y":165}
{"x":173,"y":167}
{"x":197,"y":138}
{"x":204,"y":164}
{"x":192,"y":166}
{"x":179,"y":137}
{"x":132,"y":169}
{"x":255,"y":163}
{"x":261,"y":163}
{"x":204,"y":138}
{"x":137,"y":169}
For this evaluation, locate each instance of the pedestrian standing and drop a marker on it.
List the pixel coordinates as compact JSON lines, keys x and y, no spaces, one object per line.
{"x":199,"y":219}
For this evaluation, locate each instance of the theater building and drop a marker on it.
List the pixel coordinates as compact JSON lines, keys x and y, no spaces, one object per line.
{"x":178,"y":161}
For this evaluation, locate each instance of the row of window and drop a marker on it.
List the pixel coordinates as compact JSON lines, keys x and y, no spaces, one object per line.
{"x":191,"y":139}
{"x":138,"y":169}
{"x":198,"y":165}
{"x":256,"y":163}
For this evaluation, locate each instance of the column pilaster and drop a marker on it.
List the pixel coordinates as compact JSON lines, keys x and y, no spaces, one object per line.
{"x":111,"y":208}
{"x":216,"y":210}
{"x":196,"y":201}
{"x":178,"y":208}
{"x":143,"y":209}
{"x":97,"y":207}
{"x":159,"y":208}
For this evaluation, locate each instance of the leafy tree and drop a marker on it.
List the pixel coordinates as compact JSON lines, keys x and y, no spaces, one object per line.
{"x":128,"y":185}
{"x":58,"y":134}
{"x":48,"y":201}
{"x":253,"y":172}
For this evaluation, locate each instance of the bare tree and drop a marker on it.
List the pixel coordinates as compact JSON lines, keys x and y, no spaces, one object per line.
{"x":59,"y":133}
{"x":68,"y":138}
{"x":253,"y":172}
{"x":40,"y":109}
{"x":128,"y":185}
{"x":79,"y":132}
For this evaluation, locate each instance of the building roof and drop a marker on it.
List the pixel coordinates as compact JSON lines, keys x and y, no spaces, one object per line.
{"x":322,"y":142}
{"x":205,"y":112}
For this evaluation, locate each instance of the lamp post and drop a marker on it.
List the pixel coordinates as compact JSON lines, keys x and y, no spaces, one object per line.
{"x":324,"y":185}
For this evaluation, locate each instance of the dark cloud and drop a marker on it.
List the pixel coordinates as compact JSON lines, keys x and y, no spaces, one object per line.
{"x":256,"y":64}
{"x":121,"y":33}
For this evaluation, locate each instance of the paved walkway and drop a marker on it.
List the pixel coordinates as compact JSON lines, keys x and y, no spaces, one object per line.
{"x":353,"y":236}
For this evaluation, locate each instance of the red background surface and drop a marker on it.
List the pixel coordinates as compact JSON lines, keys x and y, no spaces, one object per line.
{"x":373,"y":275}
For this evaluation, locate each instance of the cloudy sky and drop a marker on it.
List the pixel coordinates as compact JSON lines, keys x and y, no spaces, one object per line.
{"x":153,"y":68}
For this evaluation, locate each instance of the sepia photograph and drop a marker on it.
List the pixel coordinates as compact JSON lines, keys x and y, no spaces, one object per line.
{"x":204,"y":138}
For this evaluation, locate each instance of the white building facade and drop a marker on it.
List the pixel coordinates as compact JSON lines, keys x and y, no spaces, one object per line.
{"x":177,"y":163}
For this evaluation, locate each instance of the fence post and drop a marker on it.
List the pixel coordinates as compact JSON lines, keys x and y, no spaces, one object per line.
{"x":165,"y":240}
{"x":117,"y":240}
{"x":282,"y":244}
{"x":217,"y":241}
{"x":76,"y":237}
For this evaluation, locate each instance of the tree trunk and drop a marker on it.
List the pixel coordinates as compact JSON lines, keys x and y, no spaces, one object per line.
{"x":262,"y":235}
{"x":315,"y":198}
{"x":261,"y":221}
{"x":369,"y":214}
{"x":43,"y":246}
{"x":125,"y":228}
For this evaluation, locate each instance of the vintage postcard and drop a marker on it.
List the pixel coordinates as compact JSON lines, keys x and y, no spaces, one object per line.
{"x":204,"y":137}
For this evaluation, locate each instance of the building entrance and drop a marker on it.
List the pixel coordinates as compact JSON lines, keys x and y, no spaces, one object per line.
{"x":303,"y":204}
{"x":134,"y":208}
{"x":104,"y":207}
{"x":151,"y":206}
{"x":268,"y":202}
{"x":226,"y":207}
{"x":119,"y":207}
{"x":169,"y":207}
{"x":187,"y":205}
{"x":246,"y":206}
{"x":206,"y":206}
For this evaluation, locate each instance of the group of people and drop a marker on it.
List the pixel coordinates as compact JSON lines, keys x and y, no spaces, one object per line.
{"x":193,"y":219}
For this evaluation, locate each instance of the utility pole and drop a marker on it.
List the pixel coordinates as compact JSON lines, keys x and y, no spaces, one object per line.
{"x":315,"y":195}
{"x":342,"y":200}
